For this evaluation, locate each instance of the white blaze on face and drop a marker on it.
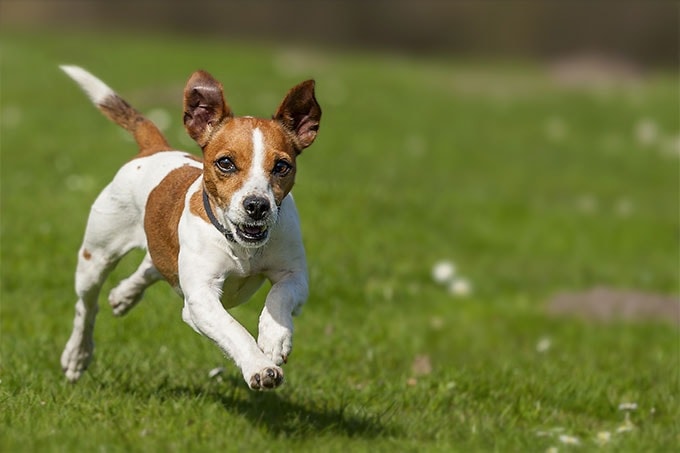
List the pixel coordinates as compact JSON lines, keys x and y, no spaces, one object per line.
{"x":256,"y":183}
{"x":257,"y":175}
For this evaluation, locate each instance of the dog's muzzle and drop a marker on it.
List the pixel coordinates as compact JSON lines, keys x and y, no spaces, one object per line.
{"x":256,"y":230}
{"x":253,"y":233}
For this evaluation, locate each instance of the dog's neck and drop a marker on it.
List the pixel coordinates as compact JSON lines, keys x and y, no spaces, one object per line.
{"x":211,"y":216}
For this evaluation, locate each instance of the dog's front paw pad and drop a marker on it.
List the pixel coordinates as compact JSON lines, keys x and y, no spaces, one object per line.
{"x":269,"y":378}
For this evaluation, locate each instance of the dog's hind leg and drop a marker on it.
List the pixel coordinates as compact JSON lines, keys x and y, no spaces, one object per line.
{"x":112,"y":231}
{"x":130,"y":291}
{"x":93,"y":268}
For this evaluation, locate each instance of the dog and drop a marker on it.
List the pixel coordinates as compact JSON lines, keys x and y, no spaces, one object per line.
{"x":214,"y":228}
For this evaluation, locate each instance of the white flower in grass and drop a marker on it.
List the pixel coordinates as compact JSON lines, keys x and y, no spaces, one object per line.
{"x":603,"y":437}
{"x":569,"y":440}
{"x":443,"y":271}
{"x":543,"y":344}
{"x":460,"y":287}
{"x":628,"y":406}
{"x":646,"y":131}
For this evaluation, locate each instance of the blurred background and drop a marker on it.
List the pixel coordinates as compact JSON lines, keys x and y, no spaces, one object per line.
{"x":491,"y":216}
{"x":636,"y":32}
{"x":530,"y":129}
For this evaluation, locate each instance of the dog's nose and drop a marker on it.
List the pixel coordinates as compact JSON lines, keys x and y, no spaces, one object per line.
{"x":256,"y":207}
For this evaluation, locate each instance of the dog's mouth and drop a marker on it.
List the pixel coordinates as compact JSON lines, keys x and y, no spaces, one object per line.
{"x":251,"y":234}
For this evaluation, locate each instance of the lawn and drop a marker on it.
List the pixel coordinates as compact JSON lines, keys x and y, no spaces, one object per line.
{"x":528,"y":186}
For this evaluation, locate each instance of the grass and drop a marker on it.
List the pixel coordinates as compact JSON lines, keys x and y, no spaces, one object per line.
{"x":530,"y":187}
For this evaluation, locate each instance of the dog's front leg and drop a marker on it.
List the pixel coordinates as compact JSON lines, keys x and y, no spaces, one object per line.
{"x":204,"y":312}
{"x":275,"y":337}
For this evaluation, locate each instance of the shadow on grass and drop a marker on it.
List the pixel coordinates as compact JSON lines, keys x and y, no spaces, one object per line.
{"x":284,"y":417}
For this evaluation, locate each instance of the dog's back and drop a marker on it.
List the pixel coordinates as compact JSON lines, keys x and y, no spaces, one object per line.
{"x":120,"y":208}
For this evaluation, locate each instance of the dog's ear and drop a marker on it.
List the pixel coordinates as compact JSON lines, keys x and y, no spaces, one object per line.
{"x":300,"y":114}
{"x":204,"y":106}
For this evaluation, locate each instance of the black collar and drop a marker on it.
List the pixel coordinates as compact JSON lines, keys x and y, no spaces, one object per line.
{"x":208,"y":210}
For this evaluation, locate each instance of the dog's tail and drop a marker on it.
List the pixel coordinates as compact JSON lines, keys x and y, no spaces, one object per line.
{"x":148,"y":137}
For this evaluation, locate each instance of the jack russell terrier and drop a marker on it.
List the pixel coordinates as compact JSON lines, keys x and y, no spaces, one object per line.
{"x":214,"y":228}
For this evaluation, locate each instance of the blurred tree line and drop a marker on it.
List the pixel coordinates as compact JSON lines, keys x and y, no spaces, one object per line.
{"x":643,"y":32}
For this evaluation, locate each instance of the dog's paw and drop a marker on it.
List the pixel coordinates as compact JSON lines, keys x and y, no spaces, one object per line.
{"x":122,"y":299}
{"x":275,"y":340}
{"x":76,"y":358}
{"x":266,"y":379}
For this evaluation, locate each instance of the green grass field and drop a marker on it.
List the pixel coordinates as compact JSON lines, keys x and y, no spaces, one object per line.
{"x":530,"y":187}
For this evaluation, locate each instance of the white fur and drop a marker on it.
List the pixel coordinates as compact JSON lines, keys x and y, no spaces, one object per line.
{"x":212,"y":268}
{"x":97,"y":90}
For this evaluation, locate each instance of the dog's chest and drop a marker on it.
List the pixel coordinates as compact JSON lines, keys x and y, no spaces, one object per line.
{"x":243,"y":278}
{"x":238,"y":290}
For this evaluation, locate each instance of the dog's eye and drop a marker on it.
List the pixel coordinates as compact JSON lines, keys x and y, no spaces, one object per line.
{"x":225,"y":165}
{"x":282,"y":168}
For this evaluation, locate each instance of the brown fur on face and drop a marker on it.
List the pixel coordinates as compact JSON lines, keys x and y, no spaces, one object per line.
{"x":234,"y":140}
{"x":210,"y":121}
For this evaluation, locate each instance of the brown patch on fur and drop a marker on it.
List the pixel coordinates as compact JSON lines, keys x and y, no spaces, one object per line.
{"x":86,"y":254}
{"x":161,"y":220}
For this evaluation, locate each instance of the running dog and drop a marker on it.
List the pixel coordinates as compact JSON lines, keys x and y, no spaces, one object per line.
{"x":214,"y":228}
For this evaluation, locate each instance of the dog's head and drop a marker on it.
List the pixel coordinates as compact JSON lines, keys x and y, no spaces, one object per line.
{"x":249,"y":163}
